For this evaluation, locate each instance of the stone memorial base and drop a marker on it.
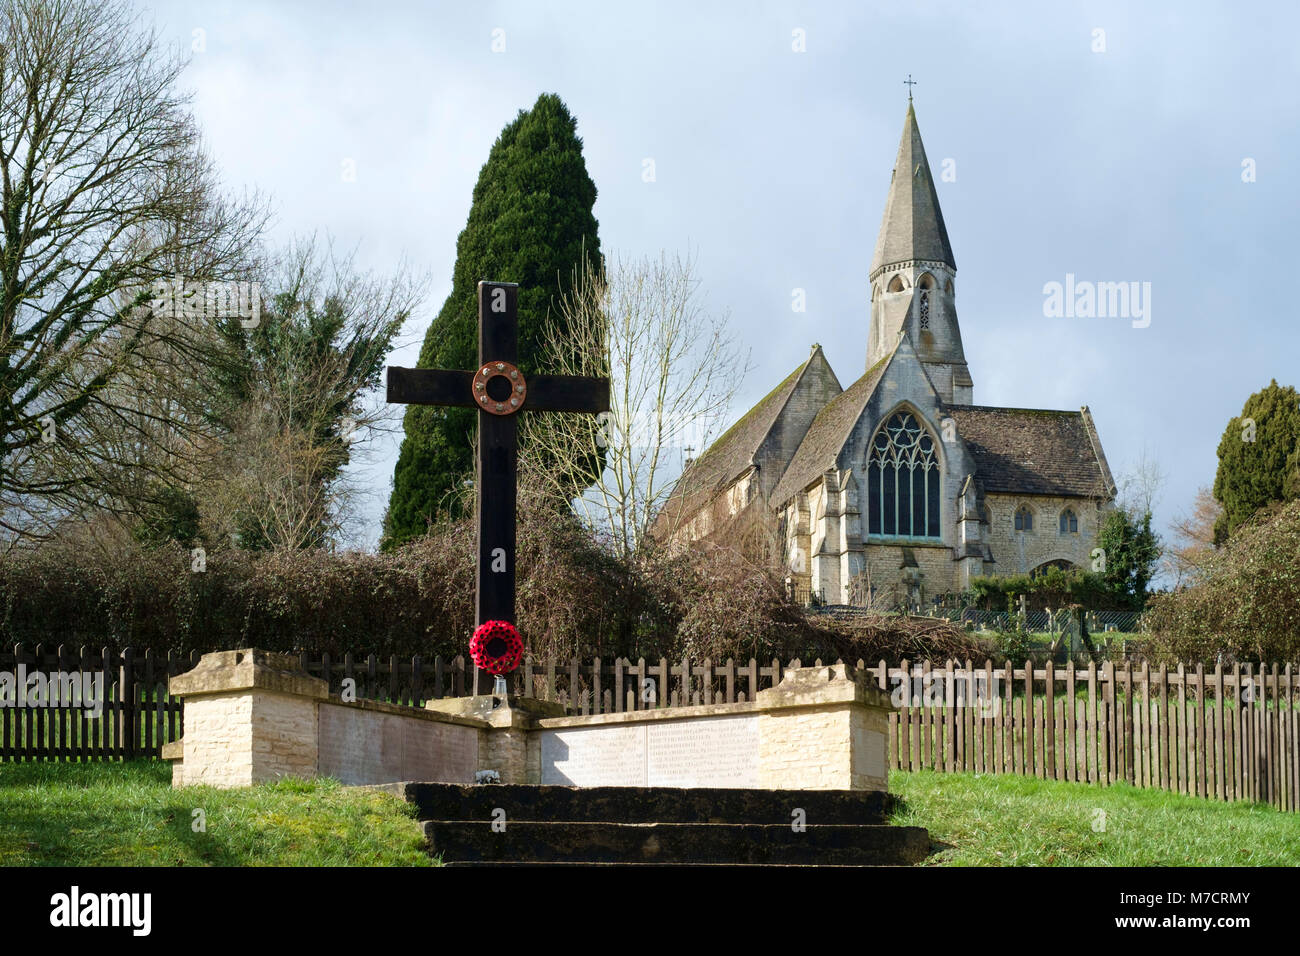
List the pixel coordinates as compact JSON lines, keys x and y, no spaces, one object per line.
{"x":253,"y":716}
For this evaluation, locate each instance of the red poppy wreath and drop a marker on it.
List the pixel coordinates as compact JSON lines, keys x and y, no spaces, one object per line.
{"x":496,"y":647}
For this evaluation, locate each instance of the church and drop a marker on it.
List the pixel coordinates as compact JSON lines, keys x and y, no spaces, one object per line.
{"x":898,"y":488}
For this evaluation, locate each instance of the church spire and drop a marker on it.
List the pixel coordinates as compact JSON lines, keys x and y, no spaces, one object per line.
{"x":912,"y":275}
{"x":912,"y":228}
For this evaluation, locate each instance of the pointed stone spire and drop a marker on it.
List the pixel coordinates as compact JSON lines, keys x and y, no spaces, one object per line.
{"x":912,"y":228}
{"x":912,"y":275}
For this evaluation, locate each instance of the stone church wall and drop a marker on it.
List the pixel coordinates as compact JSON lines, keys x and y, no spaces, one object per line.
{"x":1017,"y":552}
{"x":935,"y":572}
{"x":816,"y":386}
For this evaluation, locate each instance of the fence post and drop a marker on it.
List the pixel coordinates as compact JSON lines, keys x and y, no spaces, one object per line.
{"x":1049,"y":720}
{"x":66,"y":716}
{"x":20,"y":724}
{"x":1290,"y":764}
{"x":1162,"y":731}
{"x":126,"y":692}
{"x":151,"y":746}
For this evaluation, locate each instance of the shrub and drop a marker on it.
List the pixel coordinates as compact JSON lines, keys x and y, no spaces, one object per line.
{"x":1053,"y":587}
{"x":575,"y":598}
{"x":1013,"y":645}
{"x":1246,"y":605}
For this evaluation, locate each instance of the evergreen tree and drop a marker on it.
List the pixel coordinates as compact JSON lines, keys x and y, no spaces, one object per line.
{"x":1259,"y":458}
{"x":531,"y":222}
{"x":1132,"y":549}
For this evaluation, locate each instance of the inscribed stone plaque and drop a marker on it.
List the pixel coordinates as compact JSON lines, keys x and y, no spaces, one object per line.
{"x":603,"y":756}
{"x":361,"y":746}
{"x":709,"y":752}
{"x":718,"y":752}
{"x":870,"y":743}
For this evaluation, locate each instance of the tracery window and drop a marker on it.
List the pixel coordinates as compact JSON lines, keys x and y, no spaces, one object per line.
{"x":925,"y":308}
{"x":1024,"y":519}
{"x":1069,"y":522}
{"x":903,"y":480}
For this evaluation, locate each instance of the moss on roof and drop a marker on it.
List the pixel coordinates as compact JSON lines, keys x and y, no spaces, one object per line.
{"x":730,"y":455}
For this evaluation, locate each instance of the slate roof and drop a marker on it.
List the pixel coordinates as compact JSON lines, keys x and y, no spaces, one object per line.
{"x":728,"y":457}
{"x":1034,"y":451}
{"x":827,"y":434}
{"x":912,"y":226}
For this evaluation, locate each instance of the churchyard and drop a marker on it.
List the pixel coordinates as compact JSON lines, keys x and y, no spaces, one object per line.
{"x":585,"y":569}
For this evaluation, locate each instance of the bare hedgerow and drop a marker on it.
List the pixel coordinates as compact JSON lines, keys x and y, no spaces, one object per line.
{"x":1245,"y":602}
{"x":576,"y":598}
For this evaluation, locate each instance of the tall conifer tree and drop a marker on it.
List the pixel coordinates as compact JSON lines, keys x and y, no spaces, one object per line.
{"x":1259,"y":458}
{"x":531,"y":222}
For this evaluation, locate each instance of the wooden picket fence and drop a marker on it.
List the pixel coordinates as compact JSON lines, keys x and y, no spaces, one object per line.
{"x":1230,"y":734}
{"x":134,"y":718}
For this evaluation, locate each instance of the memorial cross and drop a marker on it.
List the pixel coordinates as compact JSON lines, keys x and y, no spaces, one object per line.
{"x":498,"y":389}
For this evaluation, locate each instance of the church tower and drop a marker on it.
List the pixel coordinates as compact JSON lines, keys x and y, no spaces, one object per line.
{"x":912,"y":275}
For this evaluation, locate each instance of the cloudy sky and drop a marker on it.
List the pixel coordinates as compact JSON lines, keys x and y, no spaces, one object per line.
{"x":1089,"y":139}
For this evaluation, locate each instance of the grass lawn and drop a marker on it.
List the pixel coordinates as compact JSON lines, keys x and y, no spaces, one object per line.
{"x":1021,"y":821}
{"x":127,"y":814}
{"x":99,"y":814}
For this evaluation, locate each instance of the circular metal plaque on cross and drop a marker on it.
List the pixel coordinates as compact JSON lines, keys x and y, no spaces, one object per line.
{"x":499,"y":388}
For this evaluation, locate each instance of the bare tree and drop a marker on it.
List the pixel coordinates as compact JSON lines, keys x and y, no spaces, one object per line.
{"x":1193,"y":538}
{"x":674,"y":367}
{"x":300,"y":400}
{"x":105,"y":189}
{"x":1141,"y":487}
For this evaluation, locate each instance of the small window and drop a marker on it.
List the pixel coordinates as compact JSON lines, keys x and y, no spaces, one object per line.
{"x":1024,"y":519}
{"x":926,"y":281}
{"x":925,"y":308}
{"x":896,"y":284}
{"x":1069,"y":522}
{"x":947,"y":287}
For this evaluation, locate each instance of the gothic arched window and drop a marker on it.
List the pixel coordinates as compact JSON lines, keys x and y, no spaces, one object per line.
{"x":903,"y":480}
{"x":925,"y":283}
{"x":1024,"y":519}
{"x":896,"y":284}
{"x":1069,"y":522}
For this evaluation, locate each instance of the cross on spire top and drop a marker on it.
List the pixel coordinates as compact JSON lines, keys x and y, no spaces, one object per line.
{"x":909,"y":83}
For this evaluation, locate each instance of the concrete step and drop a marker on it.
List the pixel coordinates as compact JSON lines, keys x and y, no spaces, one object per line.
{"x":459,"y":841}
{"x":444,"y":801}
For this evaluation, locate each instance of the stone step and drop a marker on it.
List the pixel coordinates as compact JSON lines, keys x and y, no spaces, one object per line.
{"x":726,"y":867}
{"x":444,"y":801}
{"x":459,"y":841}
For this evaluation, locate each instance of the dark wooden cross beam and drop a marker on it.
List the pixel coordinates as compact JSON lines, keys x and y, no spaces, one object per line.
{"x":498,"y":390}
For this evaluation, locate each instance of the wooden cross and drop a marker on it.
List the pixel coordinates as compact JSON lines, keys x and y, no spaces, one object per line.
{"x":498,"y":389}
